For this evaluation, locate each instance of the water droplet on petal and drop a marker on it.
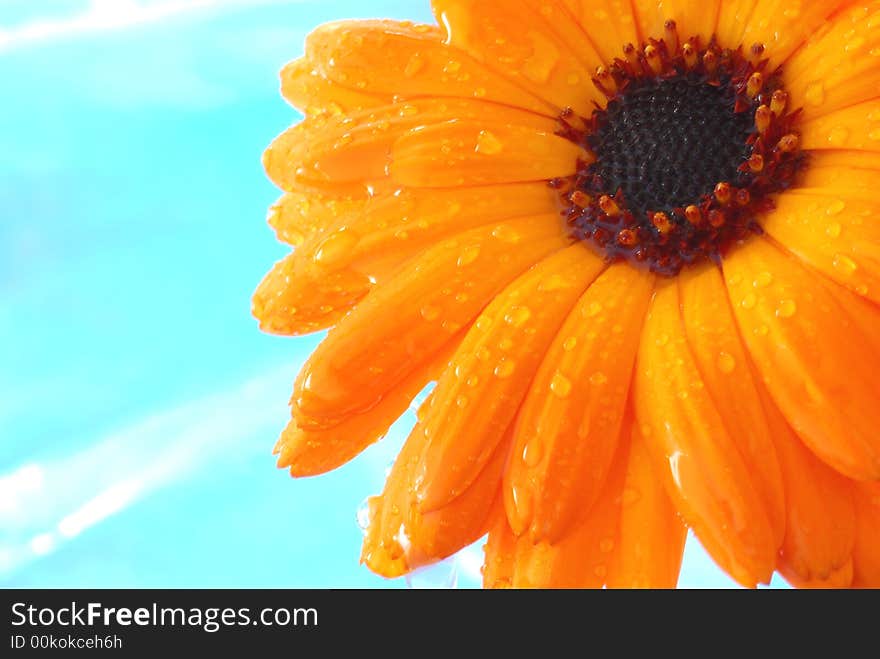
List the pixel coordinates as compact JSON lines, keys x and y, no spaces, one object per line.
{"x":786,"y":309}
{"x":833,"y":230}
{"x":606,"y":545}
{"x":429,"y":312}
{"x":505,"y":368}
{"x":468,"y":255}
{"x":518,"y":316}
{"x":844,"y":264}
{"x":560,"y":385}
{"x":835,"y":207}
{"x":598,"y":378}
{"x":726,"y":362}
{"x":569,"y":344}
{"x":488,"y":144}
{"x":762,"y":279}
{"x":749,"y":301}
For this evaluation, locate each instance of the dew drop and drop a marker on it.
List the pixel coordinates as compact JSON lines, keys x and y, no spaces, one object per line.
{"x":415,"y":64}
{"x":507,"y":234}
{"x":462,"y":401}
{"x":468,"y":255}
{"x":518,"y":316}
{"x":662,"y":340}
{"x":505,"y":368}
{"x":336,"y":247}
{"x":364,"y":514}
{"x":594,"y":309}
{"x":569,"y":344}
{"x":762,"y":279}
{"x":786,"y":309}
{"x":833,"y":230}
{"x":838,"y":136}
{"x":488,"y":144}
{"x":844,"y":264}
{"x":505,"y":344}
{"x":630,"y":496}
{"x":598,"y":378}
{"x":473,"y":381}
{"x":835,"y":207}
{"x":560,"y":385}
{"x":749,"y":301}
{"x":533,"y":452}
{"x":815,"y":93}
{"x":606,"y":545}
{"x":429,"y":312}
{"x":726,"y":362}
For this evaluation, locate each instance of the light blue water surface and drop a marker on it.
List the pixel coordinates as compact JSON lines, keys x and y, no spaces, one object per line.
{"x":138,"y":401}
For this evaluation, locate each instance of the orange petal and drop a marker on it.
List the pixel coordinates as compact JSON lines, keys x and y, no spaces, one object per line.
{"x":819,"y":368}
{"x":692,"y":19}
{"x":567,"y":431}
{"x":533,"y":44}
{"x":464,"y":152}
{"x":733,"y":17}
{"x":403,"y":323}
{"x":345,"y":247}
{"x":829,"y":174}
{"x":608,"y":24}
{"x":853,"y":127}
{"x":582,"y":557}
{"x":312,"y":452}
{"x":405,"y":61}
{"x":837,"y":66}
{"x":286,"y":303}
{"x":705,"y":475}
{"x":723,"y":364}
{"x":651,"y":535}
{"x":313,"y":94}
{"x":500,"y":551}
{"x":400,"y":538}
{"x":820,"y":520}
{"x":836,"y":233}
{"x":866,"y":553}
{"x":302,"y":213}
{"x":477,"y":397}
{"x":358,"y":147}
{"x":784,"y":26}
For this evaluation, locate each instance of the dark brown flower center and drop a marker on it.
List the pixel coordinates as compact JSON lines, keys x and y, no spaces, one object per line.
{"x":689,"y":148}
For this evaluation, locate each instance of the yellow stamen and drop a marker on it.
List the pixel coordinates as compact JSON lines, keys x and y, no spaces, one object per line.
{"x":763,"y":116}
{"x":753,"y":86}
{"x":778,"y":102}
{"x":609,"y":206}
{"x":723,"y":193}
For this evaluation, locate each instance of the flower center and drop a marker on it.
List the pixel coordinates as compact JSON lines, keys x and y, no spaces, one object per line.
{"x":692,"y":143}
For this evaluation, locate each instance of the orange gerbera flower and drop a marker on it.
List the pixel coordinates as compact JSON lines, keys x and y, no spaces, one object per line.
{"x":636,"y":244}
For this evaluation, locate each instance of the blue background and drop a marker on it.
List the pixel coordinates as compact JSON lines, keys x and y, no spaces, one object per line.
{"x":138,"y":401}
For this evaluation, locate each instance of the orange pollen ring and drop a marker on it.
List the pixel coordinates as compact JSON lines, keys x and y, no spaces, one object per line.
{"x":761,"y":156}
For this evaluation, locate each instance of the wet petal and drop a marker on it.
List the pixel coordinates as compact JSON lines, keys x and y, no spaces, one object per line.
{"x":406,"y":61}
{"x":650,"y":540}
{"x":500,"y":551}
{"x":853,"y":127}
{"x":837,"y":67}
{"x":583,"y":556}
{"x":403,"y":323}
{"x":818,"y":366}
{"x":567,"y":431}
{"x":722,"y":361}
{"x":834,"y":233}
{"x":462,"y":152}
{"x":311,"y":452}
{"x":692,"y":19}
{"x":313,"y":94}
{"x":478,"y":396}
{"x":533,"y":44}
{"x":820,"y":519}
{"x":353,"y":148}
{"x":608,"y":24}
{"x":783,"y":26}
{"x":704,"y":471}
